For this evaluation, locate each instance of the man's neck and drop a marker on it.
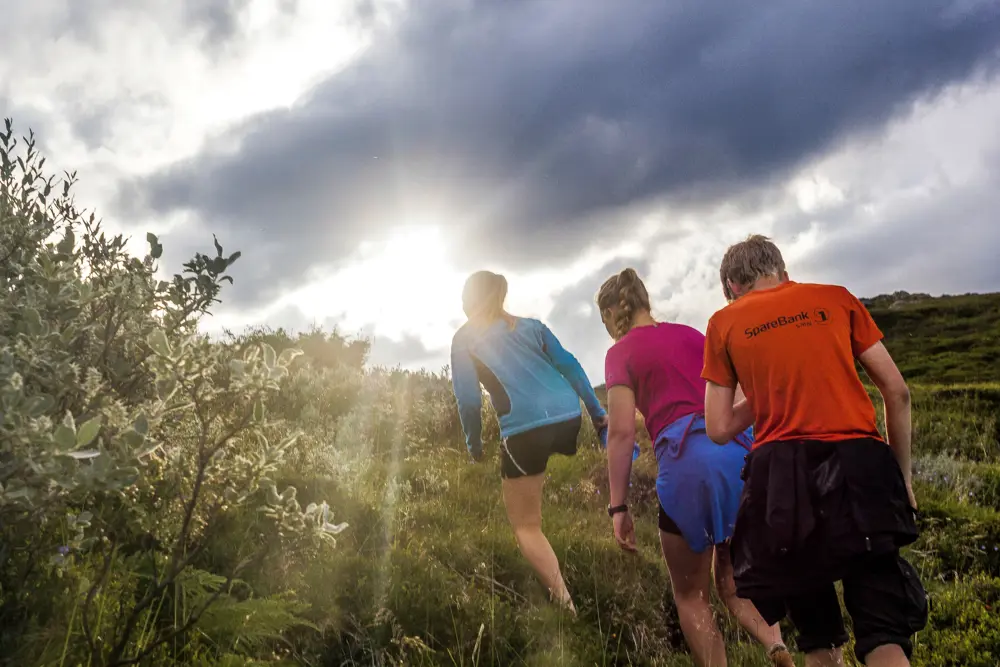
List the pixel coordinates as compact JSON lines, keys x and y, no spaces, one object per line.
{"x":767,"y":282}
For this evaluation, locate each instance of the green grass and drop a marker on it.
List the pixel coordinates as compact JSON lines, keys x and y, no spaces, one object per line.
{"x":429,"y":574}
{"x":950,"y":339}
{"x":436,"y":578}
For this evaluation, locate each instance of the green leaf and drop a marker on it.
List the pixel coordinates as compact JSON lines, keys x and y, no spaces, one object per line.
{"x":38,"y":405}
{"x":22,"y":492}
{"x":258,"y":410}
{"x":84,"y":454}
{"x":86,"y":433}
{"x":70,"y":423}
{"x":269,"y":357}
{"x":127,"y":476}
{"x":165,"y":387}
{"x":32,"y":320}
{"x":157,"y":340}
{"x":218,"y":247}
{"x":288,"y":442}
{"x":156,"y":251}
{"x":65,"y":437}
{"x":133,"y":439}
{"x":288,"y":356}
{"x":148,"y":450}
{"x":151,"y":238}
{"x":69,"y":240}
{"x":141,"y":424}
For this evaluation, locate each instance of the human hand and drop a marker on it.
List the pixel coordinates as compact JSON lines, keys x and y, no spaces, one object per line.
{"x":624,"y":531}
{"x":600,"y":422}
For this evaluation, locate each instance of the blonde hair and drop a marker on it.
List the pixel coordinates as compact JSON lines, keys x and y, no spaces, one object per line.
{"x":483,"y":298}
{"x":748,"y":261}
{"x":626,"y":293}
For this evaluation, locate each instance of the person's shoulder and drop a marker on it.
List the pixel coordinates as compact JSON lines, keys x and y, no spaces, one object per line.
{"x":724,"y":316}
{"x":685,"y":329}
{"x":829,"y":291}
{"x":818,"y":288}
{"x":618,"y":350}
{"x":461,"y":337}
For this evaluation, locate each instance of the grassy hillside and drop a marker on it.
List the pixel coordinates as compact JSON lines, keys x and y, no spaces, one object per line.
{"x":168,"y":500}
{"x":941,"y":339}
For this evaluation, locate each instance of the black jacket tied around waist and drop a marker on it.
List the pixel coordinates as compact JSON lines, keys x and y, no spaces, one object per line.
{"x":809,"y":507}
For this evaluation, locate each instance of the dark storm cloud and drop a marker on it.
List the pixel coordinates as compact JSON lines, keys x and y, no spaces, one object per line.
{"x":25,"y":119}
{"x":526,"y":122}
{"x":219,"y":18}
{"x":216,"y":20}
{"x":93,"y":126}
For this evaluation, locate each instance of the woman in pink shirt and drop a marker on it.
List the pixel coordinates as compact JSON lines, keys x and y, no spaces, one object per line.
{"x":656,"y":367}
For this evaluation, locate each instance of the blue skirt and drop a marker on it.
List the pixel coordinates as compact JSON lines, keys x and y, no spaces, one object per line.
{"x":698,"y":482}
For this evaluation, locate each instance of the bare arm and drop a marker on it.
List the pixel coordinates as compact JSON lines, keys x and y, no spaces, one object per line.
{"x":896,"y":397}
{"x":725,"y":418}
{"x":621,"y":436}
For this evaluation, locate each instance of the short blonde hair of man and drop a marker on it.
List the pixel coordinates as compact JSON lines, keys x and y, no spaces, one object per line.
{"x":748,"y":261}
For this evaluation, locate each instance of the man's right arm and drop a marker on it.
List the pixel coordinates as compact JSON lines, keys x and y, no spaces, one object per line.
{"x":896,"y":398}
{"x":867,"y":346}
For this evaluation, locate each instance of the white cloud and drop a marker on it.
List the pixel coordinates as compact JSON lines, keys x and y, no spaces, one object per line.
{"x":884,"y":211}
{"x":153,"y":86}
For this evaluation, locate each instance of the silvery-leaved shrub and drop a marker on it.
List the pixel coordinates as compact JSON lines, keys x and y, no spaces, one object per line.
{"x":126,"y":437}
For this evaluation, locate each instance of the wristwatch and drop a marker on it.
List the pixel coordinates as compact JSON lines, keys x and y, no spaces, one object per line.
{"x":616,"y":509}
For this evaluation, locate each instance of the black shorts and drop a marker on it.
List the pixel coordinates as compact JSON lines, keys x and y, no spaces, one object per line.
{"x":883,"y":595}
{"x":667,"y":524}
{"x":526,"y":454}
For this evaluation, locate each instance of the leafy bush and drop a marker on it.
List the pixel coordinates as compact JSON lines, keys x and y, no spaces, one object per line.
{"x":127,"y":437}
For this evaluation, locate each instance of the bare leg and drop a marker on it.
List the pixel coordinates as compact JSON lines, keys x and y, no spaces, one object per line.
{"x":745,"y":612}
{"x":691,"y":578}
{"x":889,"y":655}
{"x":523,"y":499}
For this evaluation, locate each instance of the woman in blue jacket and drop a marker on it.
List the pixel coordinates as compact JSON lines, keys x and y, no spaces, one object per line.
{"x":535,"y":386}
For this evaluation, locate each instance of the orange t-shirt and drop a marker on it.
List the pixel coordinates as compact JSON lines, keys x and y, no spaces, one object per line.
{"x":792,"y":349}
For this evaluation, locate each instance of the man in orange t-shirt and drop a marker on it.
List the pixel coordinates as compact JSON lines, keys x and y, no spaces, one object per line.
{"x":826,"y":498}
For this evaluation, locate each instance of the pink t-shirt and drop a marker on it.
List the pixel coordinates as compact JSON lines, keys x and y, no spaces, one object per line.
{"x":662,"y":366}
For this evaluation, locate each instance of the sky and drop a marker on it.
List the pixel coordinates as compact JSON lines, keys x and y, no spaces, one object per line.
{"x":366,"y":155}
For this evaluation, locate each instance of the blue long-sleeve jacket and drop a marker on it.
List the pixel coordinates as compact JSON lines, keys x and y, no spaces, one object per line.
{"x":531,"y":378}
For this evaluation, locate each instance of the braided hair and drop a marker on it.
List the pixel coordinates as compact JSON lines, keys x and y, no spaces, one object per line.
{"x":625,"y":295}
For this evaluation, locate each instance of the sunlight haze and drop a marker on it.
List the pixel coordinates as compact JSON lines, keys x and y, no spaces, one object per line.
{"x":310,"y":135}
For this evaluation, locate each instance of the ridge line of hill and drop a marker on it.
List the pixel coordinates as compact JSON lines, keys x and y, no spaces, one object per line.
{"x":939,"y":340}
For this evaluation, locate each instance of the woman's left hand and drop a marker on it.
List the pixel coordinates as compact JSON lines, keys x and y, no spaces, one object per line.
{"x":624,"y":530}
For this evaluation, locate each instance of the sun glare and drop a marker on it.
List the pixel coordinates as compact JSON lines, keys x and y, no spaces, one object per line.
{"x":401,"y":285}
